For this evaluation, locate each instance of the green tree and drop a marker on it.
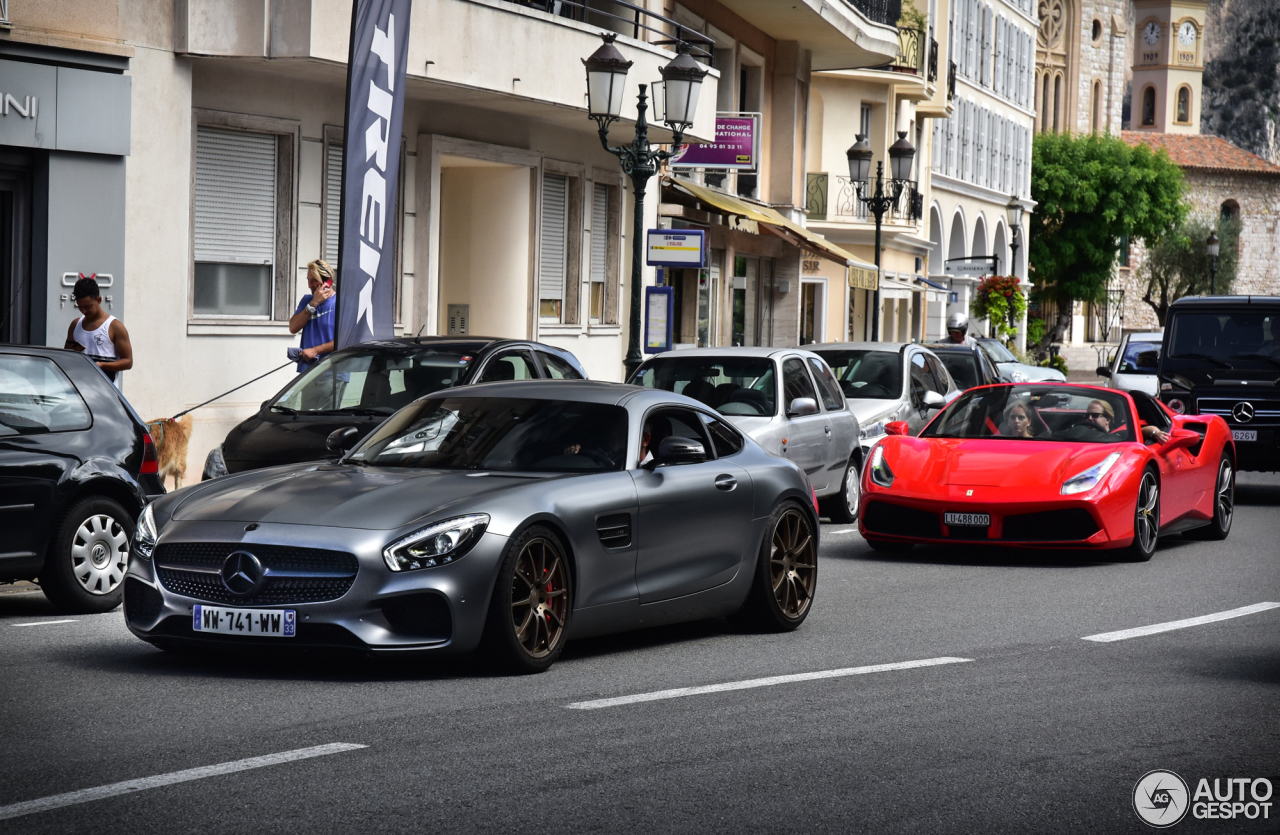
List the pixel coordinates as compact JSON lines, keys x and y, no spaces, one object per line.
{"x":1092,"y":190}
{"x":1179,"y":264}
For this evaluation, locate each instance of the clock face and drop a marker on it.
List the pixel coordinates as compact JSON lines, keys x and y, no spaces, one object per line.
{"x":1187,"y":34}
{"x":1151,"y":33}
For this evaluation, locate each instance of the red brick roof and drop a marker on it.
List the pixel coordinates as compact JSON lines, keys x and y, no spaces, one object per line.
{"x":1205,"y":153}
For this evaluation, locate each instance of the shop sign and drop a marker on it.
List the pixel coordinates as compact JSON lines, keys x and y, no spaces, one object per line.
{"x":659,"y":309}
{"x":809,"y":262}
{"x":861,"y":278}
{"x":676,"y":248}
{"x":976,"y":265}
{"x":737,"y":146}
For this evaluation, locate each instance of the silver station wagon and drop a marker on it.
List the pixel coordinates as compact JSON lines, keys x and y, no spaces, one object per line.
{"x":786,"y":399}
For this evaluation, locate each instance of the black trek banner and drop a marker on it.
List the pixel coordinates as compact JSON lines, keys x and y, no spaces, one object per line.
{"x":371,"y":169}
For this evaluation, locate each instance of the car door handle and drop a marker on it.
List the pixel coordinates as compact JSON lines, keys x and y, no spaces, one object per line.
{"x":726,"y":482}
{"x":827,"y":429}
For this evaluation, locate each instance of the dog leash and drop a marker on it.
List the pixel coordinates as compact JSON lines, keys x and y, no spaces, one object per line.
{"x":225,"y":393}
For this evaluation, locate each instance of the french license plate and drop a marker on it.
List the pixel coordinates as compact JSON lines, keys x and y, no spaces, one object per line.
{"x":273,"y":623}
{"x":968,"y":520}
{"x":1244,"y":434}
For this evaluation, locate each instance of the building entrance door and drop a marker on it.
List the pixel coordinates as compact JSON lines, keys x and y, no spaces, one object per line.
{"x":15,"y":250}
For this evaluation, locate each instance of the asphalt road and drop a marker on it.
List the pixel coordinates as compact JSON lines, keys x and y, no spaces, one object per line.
{"x":1018,"y":724}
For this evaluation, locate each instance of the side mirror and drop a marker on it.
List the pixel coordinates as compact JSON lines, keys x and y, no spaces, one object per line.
{"x":933,"y":400}
{"x":897,"y":427}
{"x":802,"y":406}
{"x":1182,"y":439}
{"x":1103,"y":371}
{"x":675,"y":450}
{"x":341,"y":440}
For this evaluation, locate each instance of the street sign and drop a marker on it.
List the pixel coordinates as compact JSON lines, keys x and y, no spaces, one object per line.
{"x":737,"y":145}
{"x":976,"y":265}
{"x":659,"y":311}
{"x":676,"y":248}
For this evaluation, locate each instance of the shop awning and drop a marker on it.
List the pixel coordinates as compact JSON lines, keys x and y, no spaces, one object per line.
{"x":723,"y":202}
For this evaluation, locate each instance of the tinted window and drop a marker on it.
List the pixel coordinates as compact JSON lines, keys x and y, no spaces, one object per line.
{"x":726,"y":439}
{"x":501,"y":434}
{"x":516,"y":365}
{"x":558,"y":369}
{"x":1054,"y":413}
{"x":962,"y":368}
{"x":731,"y":385}
{"x":36,"y":397}
{"x":678,"y":423}
{"x":1140,"y":358}
{"x":375,"y":381}
{"x":870,"y":374}
{"x":1245,"y":335}
{"x":795,"y":382}
{"x":826,"y":384}
{"x":996,"y":351}
{"x":941,"y":380}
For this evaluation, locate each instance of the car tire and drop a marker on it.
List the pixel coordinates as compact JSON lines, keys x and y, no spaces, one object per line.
{"x":888,"y":546}
{"x":1146,"y":518}
{"x":84,"y":570}
{"x":842,"y":508}
{"x":786,"y":573}
{"x":1224,"y":504}
{"x":532,"y":601}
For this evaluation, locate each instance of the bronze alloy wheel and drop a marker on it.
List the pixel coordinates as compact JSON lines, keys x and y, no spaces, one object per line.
{"x":793,"y":563}
{"x":538,"y":597}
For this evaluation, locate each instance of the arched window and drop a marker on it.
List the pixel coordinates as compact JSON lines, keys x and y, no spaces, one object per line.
{"x":1057,"y":102}
{"x":1230,"y":211}
{"x":1184,"y":105}
{"x":1148,"y":106}
{"x":1096,"y":108}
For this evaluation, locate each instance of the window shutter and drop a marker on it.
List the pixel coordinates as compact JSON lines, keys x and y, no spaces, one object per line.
{"x":332,"y":202}
{"x":599,"y":232}
{"x":553,"y":262}
{"x":235,"y":219}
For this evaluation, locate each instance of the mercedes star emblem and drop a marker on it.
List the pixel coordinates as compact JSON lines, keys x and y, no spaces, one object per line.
{"x":242,"y":573}
{"x":1242,"y":412}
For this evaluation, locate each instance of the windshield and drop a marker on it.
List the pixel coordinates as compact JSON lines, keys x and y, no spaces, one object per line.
{"x":374,"y":381}
{"x":867,"y":374}
{"x":963,"y":368}
{"x":730,"y":385}
{"x":995,"y":351}
{"x":1037,"y":413}
{"x":1140,"y":358}
{"x":1248,"y":335}
{"x":500,"y":434}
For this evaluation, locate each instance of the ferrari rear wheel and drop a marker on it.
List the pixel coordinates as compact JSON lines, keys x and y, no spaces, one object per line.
{"x":1224,"y":504}
{"x":529,"y":613}
{"x":1146,"y":519}
{"x":786,"y":572}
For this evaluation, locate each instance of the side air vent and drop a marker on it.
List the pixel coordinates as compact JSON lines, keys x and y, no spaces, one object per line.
{"x":614,"y":530}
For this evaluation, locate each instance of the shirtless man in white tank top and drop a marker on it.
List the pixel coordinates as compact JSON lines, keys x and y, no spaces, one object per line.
{"x":97,"y":333}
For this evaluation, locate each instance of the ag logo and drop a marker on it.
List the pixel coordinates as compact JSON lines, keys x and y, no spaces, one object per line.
{"x":1160,"y":798}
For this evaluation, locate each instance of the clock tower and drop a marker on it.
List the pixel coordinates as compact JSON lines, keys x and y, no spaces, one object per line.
{"x":1168,"y":62}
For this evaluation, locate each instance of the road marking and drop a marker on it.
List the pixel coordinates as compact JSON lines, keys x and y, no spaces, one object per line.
{"x":845,"y":530}
{"x":680,"y":692}
{"x":44,"y":804}
{"x":44,"y":623}
{"x":1138,"y":632}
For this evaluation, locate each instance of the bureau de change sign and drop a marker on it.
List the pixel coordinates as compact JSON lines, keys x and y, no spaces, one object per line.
{"x":736,"y":146}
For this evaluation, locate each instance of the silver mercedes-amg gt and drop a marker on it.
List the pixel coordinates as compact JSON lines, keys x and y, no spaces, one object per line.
{"x":508,"y":517}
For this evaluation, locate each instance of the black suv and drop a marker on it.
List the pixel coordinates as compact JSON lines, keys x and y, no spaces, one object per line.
{"x":76,"y":469}
{"x":357,"y":388}
{"x":1221,"y":356}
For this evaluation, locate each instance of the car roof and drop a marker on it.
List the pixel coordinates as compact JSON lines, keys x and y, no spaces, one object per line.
{"x":585,"y":391}
{"x":42,"y":350}
{"x":1152,"y":336}
{"x":954,"y":348}
{"x":473,"y":342}
{"x":891,"y":347}
{"x":1224,"y":301}
{"x":732,"y":351}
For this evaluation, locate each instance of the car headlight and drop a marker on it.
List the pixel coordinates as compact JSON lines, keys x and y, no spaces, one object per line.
{"x":1018,"y":376}
{"x":874,"y":430}
{"x":1089,"y":478}
{"x":145,"y":535}
{"x":214,"y":464}
{"x":437,"y":544}
{"x":880,"y":472}
{"x":1177,"y":405}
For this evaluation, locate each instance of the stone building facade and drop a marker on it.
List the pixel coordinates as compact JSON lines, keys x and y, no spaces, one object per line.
{"x":1081,"y":55}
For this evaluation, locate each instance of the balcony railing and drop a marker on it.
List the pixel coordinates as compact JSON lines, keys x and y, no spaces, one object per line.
{"x":879,"y":11}
{"x":629,"y":19}
{"x":911,"y":52}
{"x":951,"y":80}
{"x":907,"y":209}
{"x":933,"y":60}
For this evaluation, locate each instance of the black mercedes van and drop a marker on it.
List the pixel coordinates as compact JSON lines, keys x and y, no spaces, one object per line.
{"x":1221,"y":356}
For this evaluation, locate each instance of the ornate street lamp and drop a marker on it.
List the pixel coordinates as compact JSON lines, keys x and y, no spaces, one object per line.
{"x":901,"y":155}
{"x":1213,"y":246}
{"x":1014,"y":210}
{"x":681,"y":84}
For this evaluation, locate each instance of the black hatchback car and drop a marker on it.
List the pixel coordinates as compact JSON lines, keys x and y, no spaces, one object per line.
{"x":969,"y":365}
{"x":359,"y":387}
{"x":76,"y":469}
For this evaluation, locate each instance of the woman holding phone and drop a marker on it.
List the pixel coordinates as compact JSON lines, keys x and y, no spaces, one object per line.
{"x":316,"y":315}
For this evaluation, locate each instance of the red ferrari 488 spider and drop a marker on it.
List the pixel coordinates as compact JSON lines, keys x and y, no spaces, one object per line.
{"x":1051,"y":465}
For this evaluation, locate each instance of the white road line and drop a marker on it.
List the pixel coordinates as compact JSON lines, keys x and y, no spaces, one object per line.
{"x":1138,"y":632}
{"x":762,"y":682}
{"x":44,"y":623}
{"x":44,"y":804}
{"x":843,"y":530}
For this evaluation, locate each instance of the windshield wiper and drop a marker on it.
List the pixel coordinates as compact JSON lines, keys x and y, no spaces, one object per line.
{"x":351,"y":410}
{"x":1257,"y":356}
{"x":1212,"y":359}
{"x":284,"y":410}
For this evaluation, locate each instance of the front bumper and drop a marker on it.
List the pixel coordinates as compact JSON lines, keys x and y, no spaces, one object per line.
{"x":434,"y":610}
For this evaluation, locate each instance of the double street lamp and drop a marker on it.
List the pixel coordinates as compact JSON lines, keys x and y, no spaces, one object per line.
{"x":1213,"y":246}
{"x":901,"y":155}
{"x":676,"y":106}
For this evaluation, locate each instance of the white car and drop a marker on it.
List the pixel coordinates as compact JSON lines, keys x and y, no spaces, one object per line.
{"x":1133,"y":366}
{"x":1014,"y":371}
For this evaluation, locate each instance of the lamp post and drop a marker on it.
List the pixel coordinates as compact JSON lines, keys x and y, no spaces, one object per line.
{"x":901,"y":153}
{"x":606,"y":80}
{"x":1212,"y":245}
{"x":1014,"y":210}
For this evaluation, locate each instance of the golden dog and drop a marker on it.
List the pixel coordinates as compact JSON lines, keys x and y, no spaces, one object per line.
{"x":171,"y":437}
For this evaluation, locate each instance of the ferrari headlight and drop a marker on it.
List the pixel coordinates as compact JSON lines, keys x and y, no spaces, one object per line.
{"x":880,"y":472}
{"x":437,"y":544}
{"x":1087,"y":480}
{"x":145,"y":535}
